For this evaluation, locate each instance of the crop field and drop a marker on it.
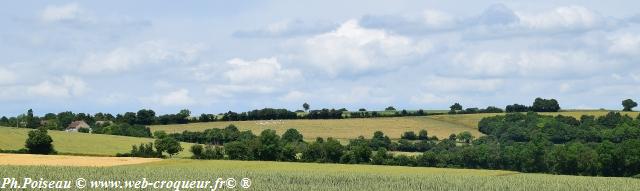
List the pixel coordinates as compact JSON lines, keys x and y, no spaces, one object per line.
{"x":311,"y":176}
{"x":344,"y":129}
{"x":62,"y":160}
{"x":78,"y":143}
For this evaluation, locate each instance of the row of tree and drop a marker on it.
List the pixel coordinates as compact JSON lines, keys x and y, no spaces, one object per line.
{"x":596,"y":146}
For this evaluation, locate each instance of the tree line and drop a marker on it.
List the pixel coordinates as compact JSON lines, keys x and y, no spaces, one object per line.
{"x":526,"y":142}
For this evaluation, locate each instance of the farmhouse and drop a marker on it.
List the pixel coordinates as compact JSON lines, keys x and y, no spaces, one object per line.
{"x":74,"y":126}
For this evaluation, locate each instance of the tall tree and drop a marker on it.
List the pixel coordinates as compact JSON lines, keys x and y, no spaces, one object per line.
{"x":146,"y":117}
{"x":628,"y":105}
{"x":456,"y":107}
{"x":306,"y":106}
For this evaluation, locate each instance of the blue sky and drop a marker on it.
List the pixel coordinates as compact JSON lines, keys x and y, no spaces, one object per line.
{"x":215,"y":56}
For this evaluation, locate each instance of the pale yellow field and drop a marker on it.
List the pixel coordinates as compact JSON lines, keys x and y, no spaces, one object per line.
{"x":342,"y":129}
{"x":62,"y":160}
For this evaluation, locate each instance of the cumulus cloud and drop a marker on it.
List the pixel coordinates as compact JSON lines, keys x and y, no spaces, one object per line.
{"x":265,"y":70}
{"x":58,"y":13}
{"x":568,"y":18}
{"x":7,"y":76}
{"x":527,"y":63}
{"x":353,"y":49}
{"x":286,"y":28}
{"x":146,"y":53}
{"x":625,"y":44}
{"x":64,"y":87}
{"x":179,"y":97}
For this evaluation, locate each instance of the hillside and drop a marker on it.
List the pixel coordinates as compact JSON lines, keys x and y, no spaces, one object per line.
{"x":79,"y":143}
{"x":344,"y":129}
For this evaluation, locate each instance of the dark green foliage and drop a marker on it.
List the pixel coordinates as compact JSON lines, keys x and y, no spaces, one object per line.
{"x":545,"y":105}
{"x":207,"y":152}
{"x":379,"y":140}
{"x":39,"y":142}
{"x":145,"y":117}
{"x":238,"y":150}
{"x":628,"y":105}
{"x":292,"y":136}
{"x":517,"y":108}
{"x":409,"y":135}
{"x":84,"y":130}
{"x":144,"y":150}
{"x":390,"y":108}
{"x":456,"y":107}
{"x":169,"y":145}
{"x":306,"y":106}
{"x":423,"y":135}
{"x":268,"y":146}
{"x":125,"y":129}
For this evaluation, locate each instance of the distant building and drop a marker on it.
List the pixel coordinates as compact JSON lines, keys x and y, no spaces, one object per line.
{"x":74,"y":126}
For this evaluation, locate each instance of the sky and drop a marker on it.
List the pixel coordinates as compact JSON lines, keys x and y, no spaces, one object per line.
{"x":216,"y":56}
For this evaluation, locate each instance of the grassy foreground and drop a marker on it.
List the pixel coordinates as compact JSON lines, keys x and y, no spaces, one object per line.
{"x":309,"y":176}
{"x":79,"y":143}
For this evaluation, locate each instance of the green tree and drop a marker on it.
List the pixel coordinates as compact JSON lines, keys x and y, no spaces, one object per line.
{"x":390,"y":108}
{"x":423,"y":134}
{"x":31,"y":121}
{"x":465,"y":137}
{"x":238,"y":150}
{"x":145,"y":117}
{"x":39,"y":142}
{"x":169,"y":145}
{"x":269,"y":147}
{"x":305,"y":106}
{"x":628,"y":105}
{"x":456,"y":107}
{"x":292,"y":136}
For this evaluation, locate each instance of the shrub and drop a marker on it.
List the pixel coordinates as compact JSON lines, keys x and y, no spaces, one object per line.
{"x":39,"y":142}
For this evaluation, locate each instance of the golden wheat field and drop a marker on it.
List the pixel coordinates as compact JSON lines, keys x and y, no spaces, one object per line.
{"x":62,"y":160}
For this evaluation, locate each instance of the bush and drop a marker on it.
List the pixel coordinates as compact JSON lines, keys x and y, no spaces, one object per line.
{"x":423,"y":135}
{"x":84,"y":130}
{"x":207,"y":152}
{"x":409,"y":135}
{"x":39,"y":142}
{"x":144,"y":150}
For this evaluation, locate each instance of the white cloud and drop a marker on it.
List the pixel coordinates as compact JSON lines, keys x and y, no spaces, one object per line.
{"x":286,"y":28}
{"x":455,"y":85}
{"x":354,"y":49}
{"x":150,"y":52}
{"x":7,"y":76}
{"x":570,"y":17}
{"x":526,"y":63}
{"x":67,"y":86}
{"x":230,"y":90}
{"x":54,"y":13}
{"x":261,"y":71}
{"x":179,"y":97}
{"x":627,"y":44}
{"x":429,"y":98}
{"x":293,"y":95}
{"x":437,"y":19}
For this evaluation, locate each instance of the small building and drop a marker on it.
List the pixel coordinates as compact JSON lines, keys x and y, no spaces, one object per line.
{"x":74,"y":126}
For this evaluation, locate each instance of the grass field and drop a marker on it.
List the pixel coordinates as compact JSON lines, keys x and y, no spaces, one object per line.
{"x":344,"y":129}
{"x":310,"y":176}
{"x":79,"y":143}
